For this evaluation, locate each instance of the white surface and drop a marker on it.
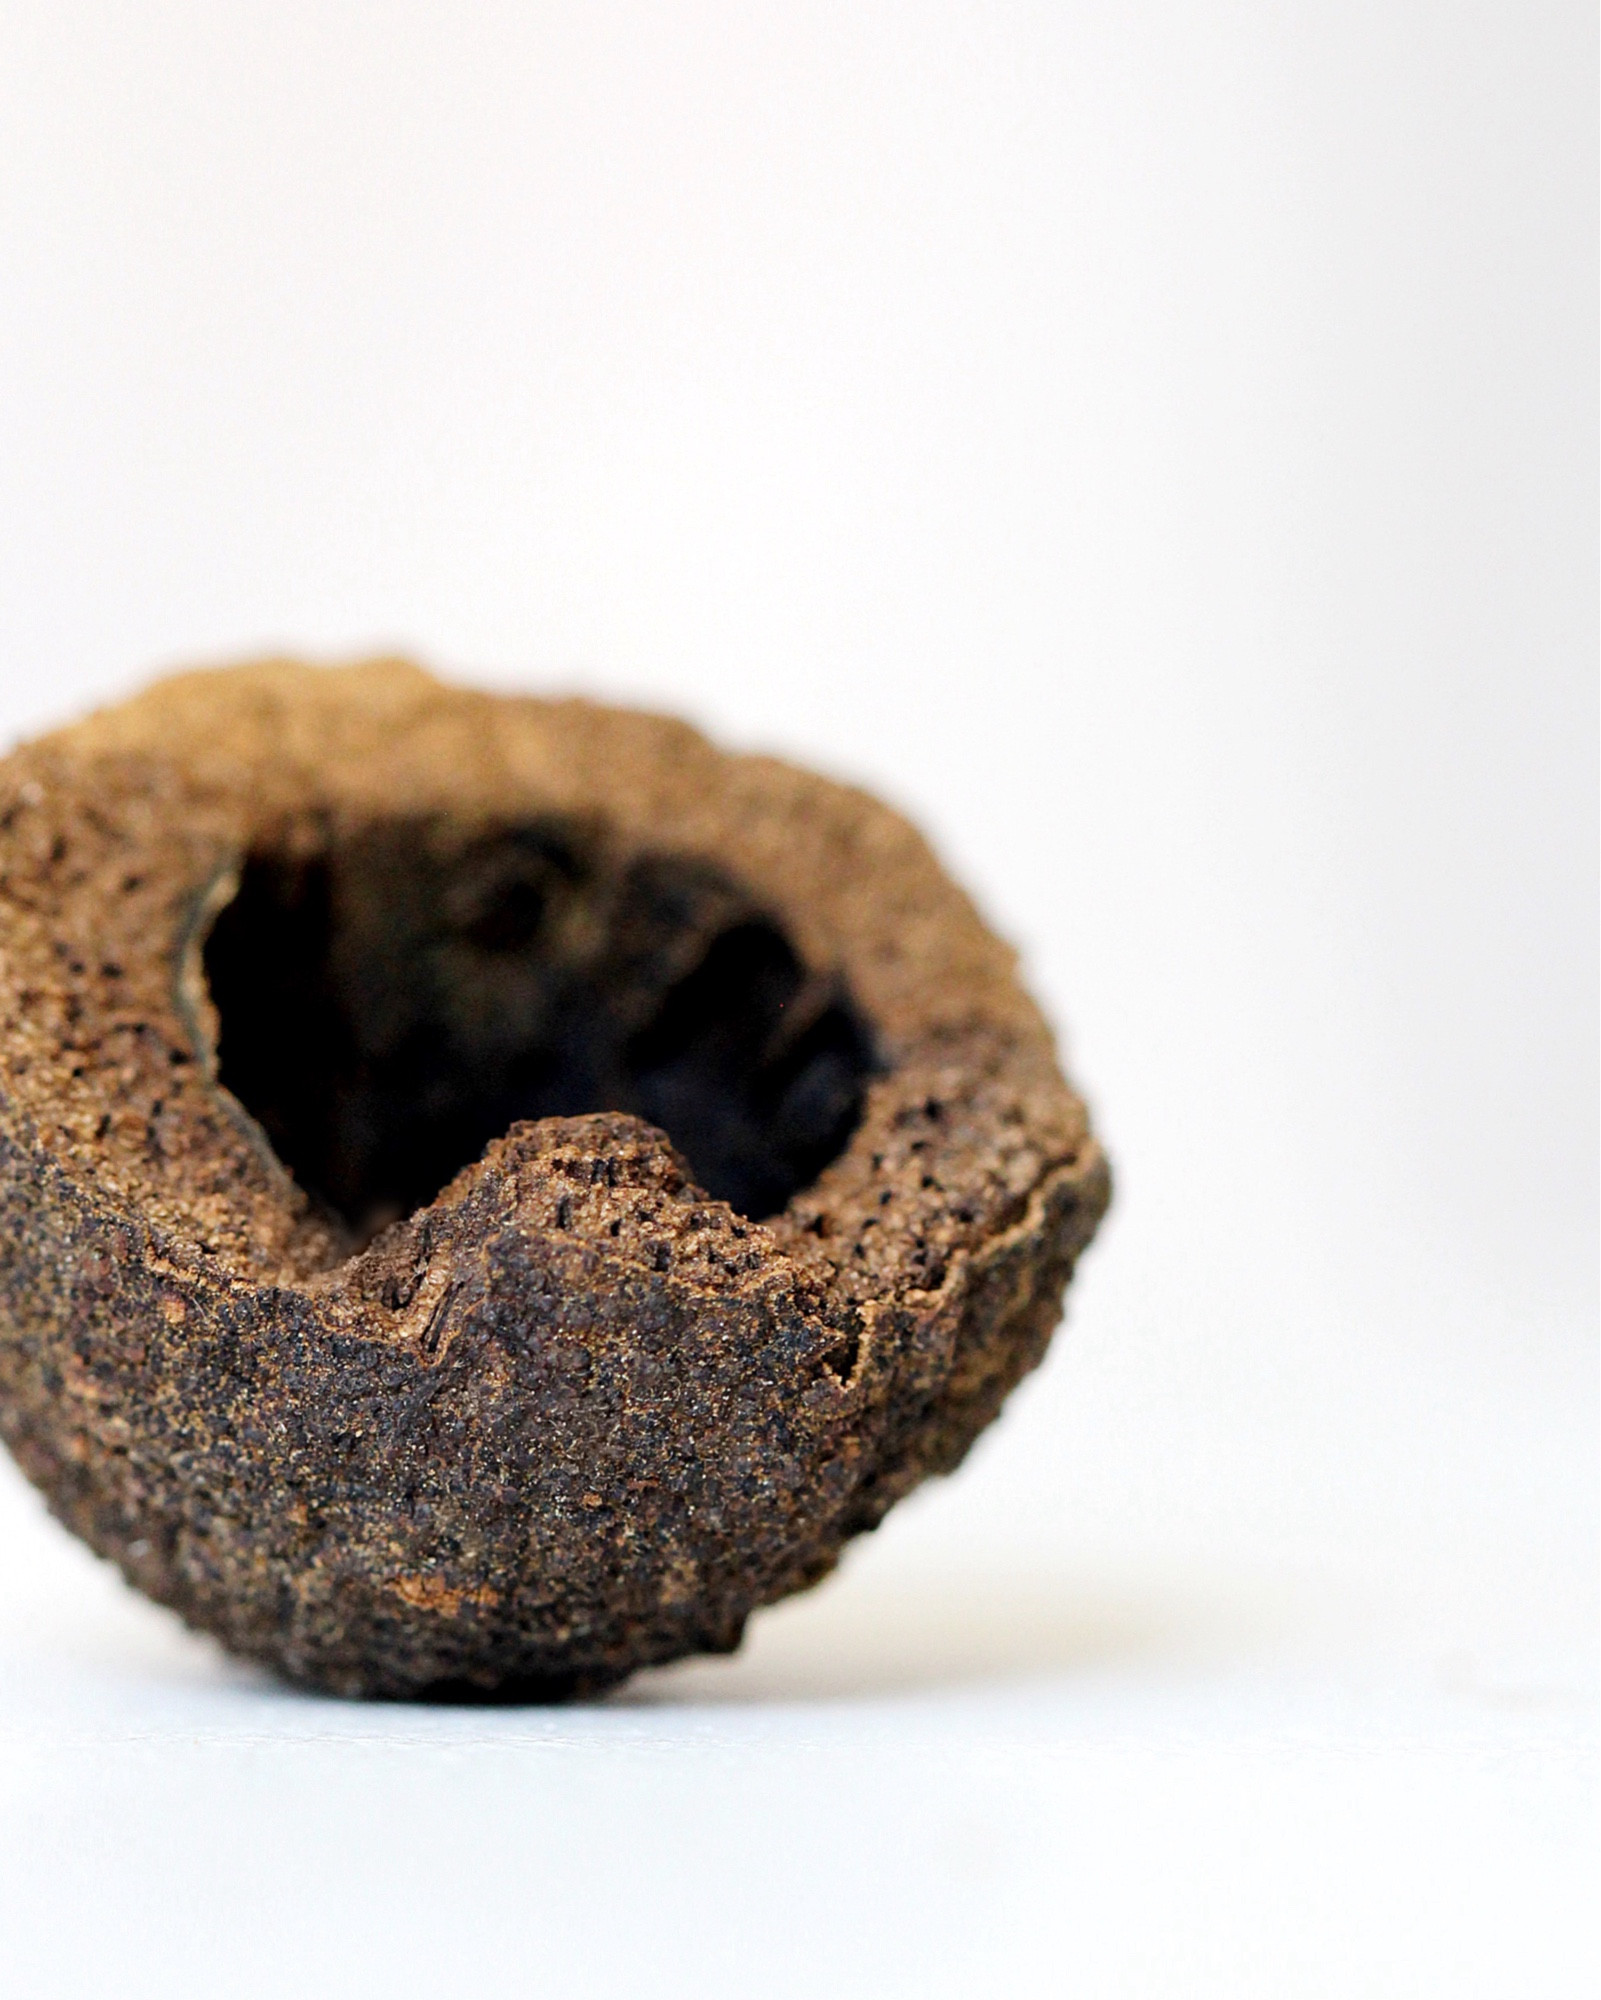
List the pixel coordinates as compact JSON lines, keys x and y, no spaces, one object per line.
{"x":1154,"y":444}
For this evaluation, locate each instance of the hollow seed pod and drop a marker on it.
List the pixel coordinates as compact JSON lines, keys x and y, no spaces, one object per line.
{"x":494,"y":1190}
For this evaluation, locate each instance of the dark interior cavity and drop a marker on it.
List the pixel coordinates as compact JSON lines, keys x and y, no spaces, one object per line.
{"x":394,"y":1000}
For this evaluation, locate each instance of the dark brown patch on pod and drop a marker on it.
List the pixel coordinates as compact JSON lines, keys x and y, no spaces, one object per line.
{"x":492,"y":1191}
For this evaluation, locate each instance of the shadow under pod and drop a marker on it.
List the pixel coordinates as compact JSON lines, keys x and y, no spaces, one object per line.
{"x":863,"y":1638}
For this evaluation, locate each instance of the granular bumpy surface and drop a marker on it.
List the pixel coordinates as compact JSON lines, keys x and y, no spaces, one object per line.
{"x":492,"y":1190}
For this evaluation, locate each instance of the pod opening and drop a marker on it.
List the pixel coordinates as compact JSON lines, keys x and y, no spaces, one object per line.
{"x":392,"y":998}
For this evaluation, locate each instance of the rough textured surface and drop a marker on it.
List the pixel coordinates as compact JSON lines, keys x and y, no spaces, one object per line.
{"x":567,"y":1414}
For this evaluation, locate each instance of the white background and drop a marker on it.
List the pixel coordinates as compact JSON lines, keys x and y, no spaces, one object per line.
{"x":1153,"y":443}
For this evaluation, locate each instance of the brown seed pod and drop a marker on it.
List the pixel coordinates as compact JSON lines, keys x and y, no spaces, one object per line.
{"x":494,"y":1190}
